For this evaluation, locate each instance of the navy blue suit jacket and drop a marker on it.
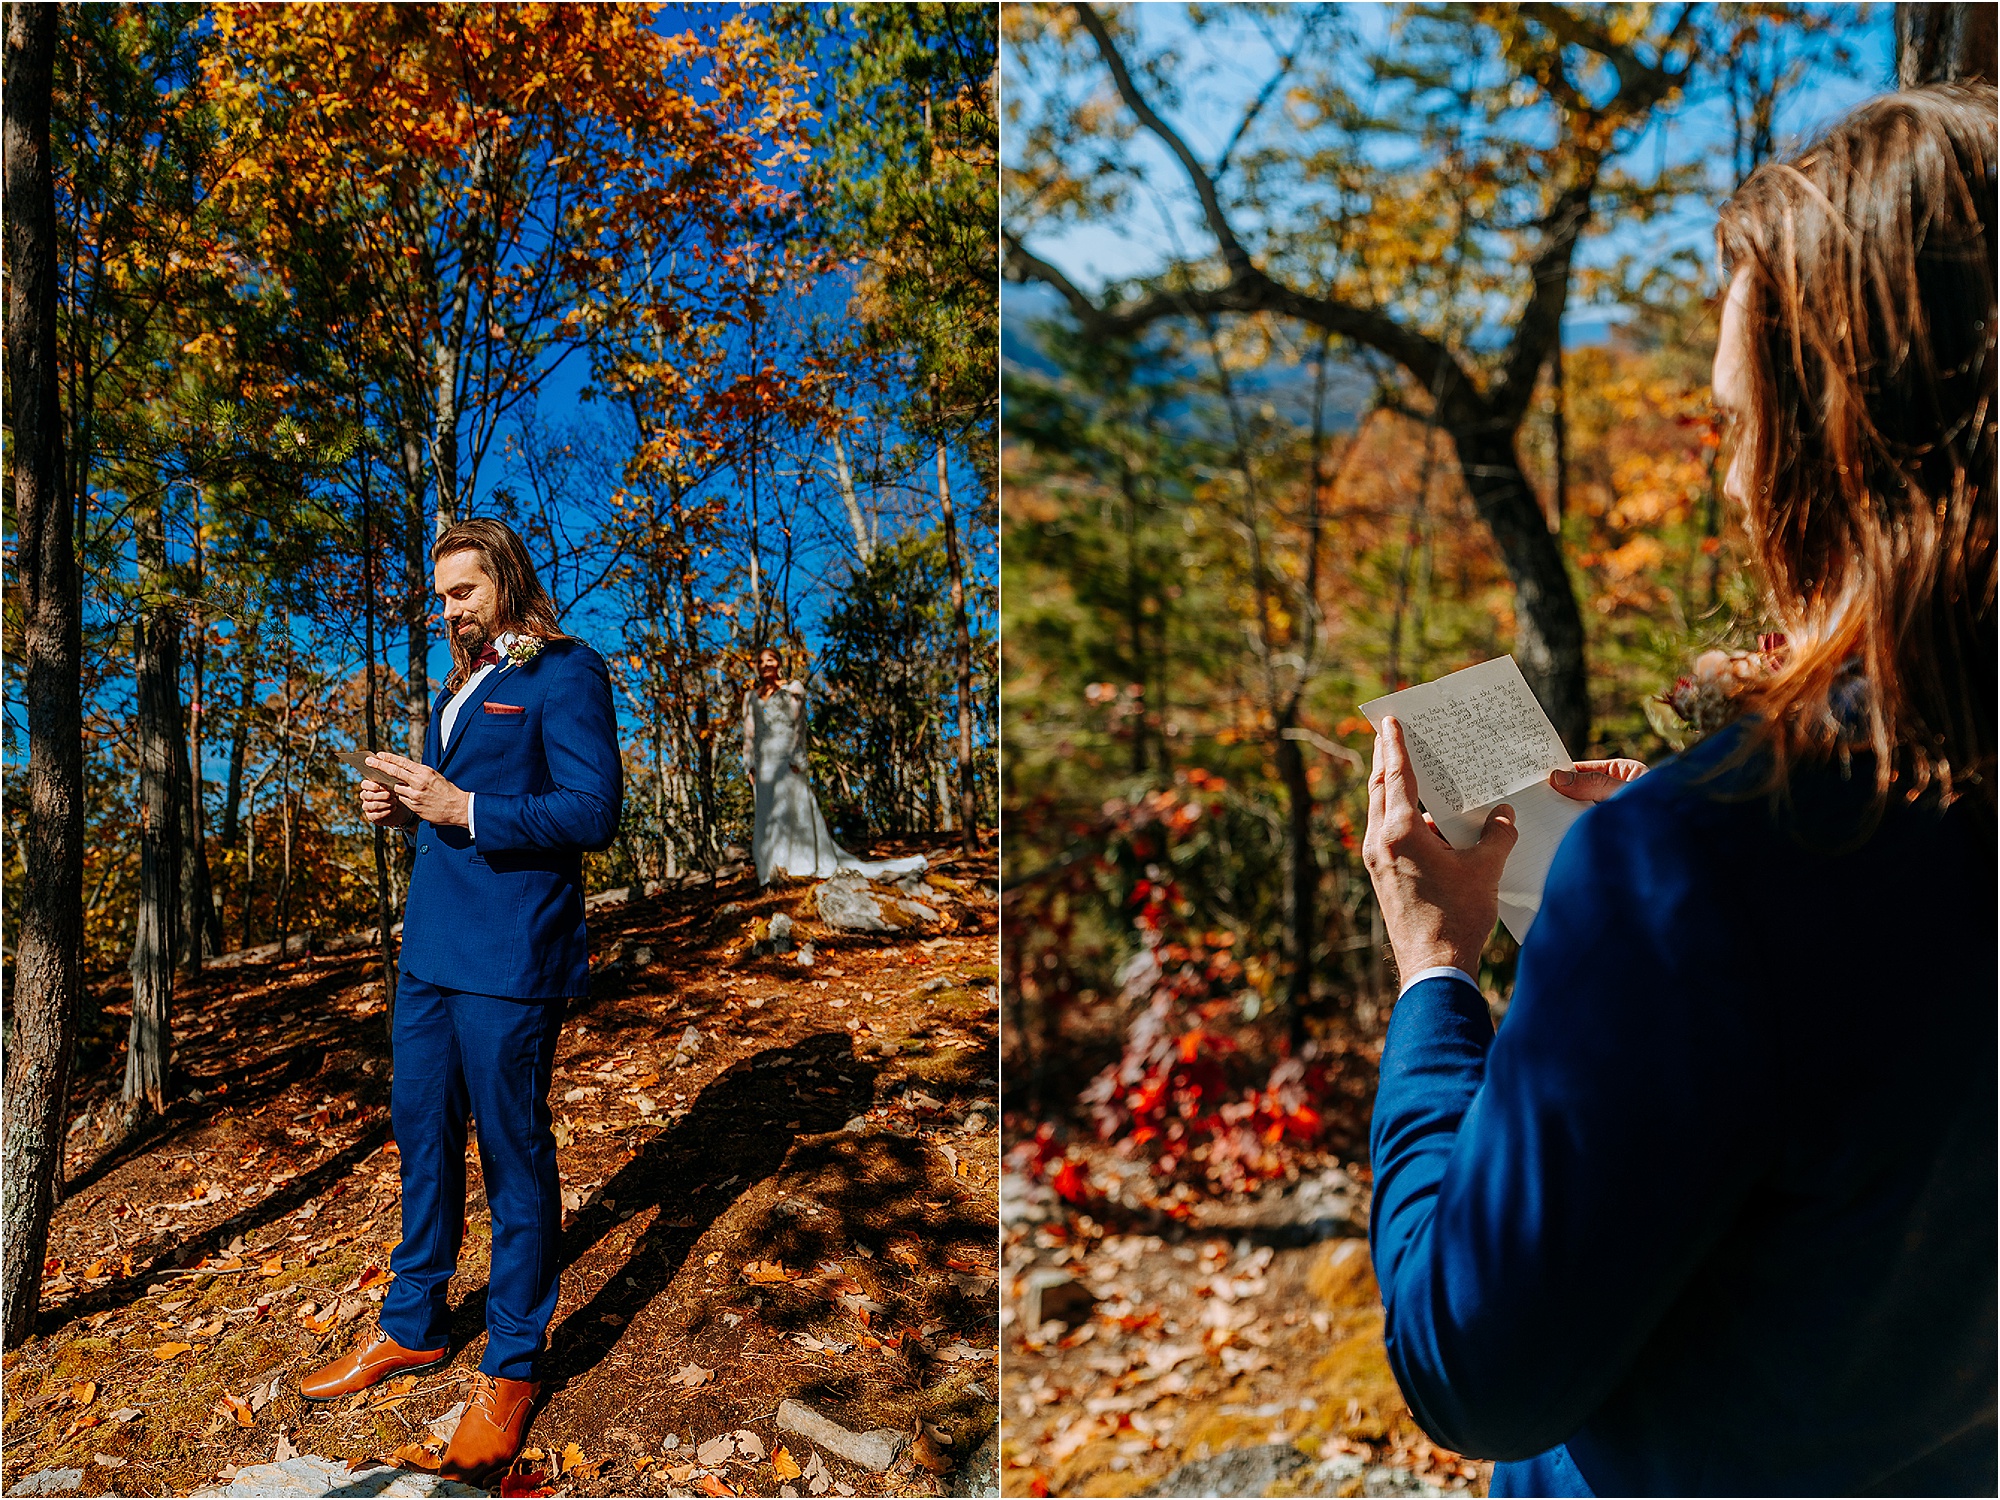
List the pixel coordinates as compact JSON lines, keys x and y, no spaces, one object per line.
{"x":1715,"y":1209}
{"x":503,"y":914}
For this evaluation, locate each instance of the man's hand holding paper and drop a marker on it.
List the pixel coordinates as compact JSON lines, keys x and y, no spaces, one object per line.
{"x":1468,"y":745}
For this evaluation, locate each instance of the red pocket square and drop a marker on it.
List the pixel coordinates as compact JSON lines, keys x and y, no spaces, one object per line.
{"x":502,"y":708}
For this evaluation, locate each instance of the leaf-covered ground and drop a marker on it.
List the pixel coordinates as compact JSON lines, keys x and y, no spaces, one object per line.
{"x":1230,"y":1343}
{"x":779,"y":1182}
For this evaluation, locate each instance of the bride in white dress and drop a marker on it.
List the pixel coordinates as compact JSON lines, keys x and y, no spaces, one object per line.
{"x":791,"y":836}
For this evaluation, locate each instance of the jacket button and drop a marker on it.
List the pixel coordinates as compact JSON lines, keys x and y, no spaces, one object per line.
{"x":423,"y":848}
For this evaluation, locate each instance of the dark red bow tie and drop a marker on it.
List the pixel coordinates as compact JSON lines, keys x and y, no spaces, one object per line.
{"x":490,"y":657}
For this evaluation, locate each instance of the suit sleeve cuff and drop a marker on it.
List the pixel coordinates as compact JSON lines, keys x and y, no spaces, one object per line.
{"x":472,"y":823}
{"x":1441,"y":971}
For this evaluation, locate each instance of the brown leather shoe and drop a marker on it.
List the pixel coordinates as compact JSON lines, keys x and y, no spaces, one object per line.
{"x":370,"y":1363}
{"x":491,"y":1432}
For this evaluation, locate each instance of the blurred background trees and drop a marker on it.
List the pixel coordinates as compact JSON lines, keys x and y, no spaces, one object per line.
{"x":1346,"y":346}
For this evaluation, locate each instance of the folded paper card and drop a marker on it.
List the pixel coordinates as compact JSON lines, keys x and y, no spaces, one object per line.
{"x":1479,"y":738}
{"x":358,"y":760}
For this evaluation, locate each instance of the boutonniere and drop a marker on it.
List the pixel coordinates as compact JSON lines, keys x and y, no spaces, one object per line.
{"x":525,"y":648}
{"x":1699,"y":704}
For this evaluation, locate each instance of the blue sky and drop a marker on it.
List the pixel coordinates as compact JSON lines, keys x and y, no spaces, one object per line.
{"x":1222,"y":78}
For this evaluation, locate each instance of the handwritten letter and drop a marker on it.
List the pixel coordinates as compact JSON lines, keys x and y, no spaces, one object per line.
{"x":1479,"y":737}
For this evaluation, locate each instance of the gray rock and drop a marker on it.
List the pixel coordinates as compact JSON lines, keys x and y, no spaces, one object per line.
{"x":643,"y":956}
{"x":1240,"y":1471}
{"x":1055,"y":1297}
{"x":846,"y":902}
{"x":618,"y":896}
{"x":877,"y":1450}
{"x":804,"y":957}
{"x":309,"y":1476}
{"x":50,"y":1482}
{"x":781,"y":933}
{"x":919,"y":911}
{"x":980,"y":1475}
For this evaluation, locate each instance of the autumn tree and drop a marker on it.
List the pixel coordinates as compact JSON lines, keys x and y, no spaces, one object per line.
{"x":494,"y":172}
{"x":1331,"y":225}
{"x":905,"y":185}
{"x":47,"y":977}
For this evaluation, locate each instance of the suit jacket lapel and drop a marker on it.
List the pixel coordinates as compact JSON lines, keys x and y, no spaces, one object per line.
{"x":468,"y":708}
{"x":432,"y":749}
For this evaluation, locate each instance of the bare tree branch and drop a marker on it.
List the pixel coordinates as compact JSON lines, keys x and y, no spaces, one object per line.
{"x":1234,"y":255}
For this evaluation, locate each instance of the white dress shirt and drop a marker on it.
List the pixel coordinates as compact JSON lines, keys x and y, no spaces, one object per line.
{"x":1441,"y":971}
{"x":448,"y":720}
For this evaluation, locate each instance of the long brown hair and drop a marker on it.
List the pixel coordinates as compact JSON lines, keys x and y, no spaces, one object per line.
{"x":525,"y":606}
{"x":1869,"y":440}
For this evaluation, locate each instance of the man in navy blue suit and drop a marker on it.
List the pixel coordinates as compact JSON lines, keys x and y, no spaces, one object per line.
{"x":1713,"y":1212}
{"x":520,"y":774}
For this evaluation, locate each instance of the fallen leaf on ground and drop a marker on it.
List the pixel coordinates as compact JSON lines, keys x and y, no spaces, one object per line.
{"x":275,"y":1266}
{"x":285,"y":1449}
{"x":574,"y":1462}
{"x":767,"y":1272}
{"x":84,"y":1392}
{"x":689,"y":1377}
{"x":710,"y":1485}
{"x":170,"y":1351}
{"x":783,"y":1465}
{"x":931,"y":1455}
{"x":125,"y":1414}
{"x":748,"y":1444}
{"x":642,"y":1463}
{"x":523,"y":1484}
{"x":240,"y":1410}
{"x":816,"y":1477}
{"x":418,"y":1456}
{"x":79,"y":1425}
{"x":373,"y":1276}
{"x":717,"y":1450}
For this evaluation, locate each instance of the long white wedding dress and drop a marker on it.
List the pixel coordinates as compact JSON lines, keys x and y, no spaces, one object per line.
{"x":791,"y":836}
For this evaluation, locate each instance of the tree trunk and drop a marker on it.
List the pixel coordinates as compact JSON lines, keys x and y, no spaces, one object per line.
{"x":386,"y":942}
{"x":416,"y":607}
{"x":864,"y":542}
{"x":156,"y":657}
{"x":239,"y":739}
{"x":200,"y":925}
{"x":1302,"y":893}
{"x":1548,"y":629}
{"x":41,"y":1042}
{"x":968,"y":803}
{"x":1944,"y":44}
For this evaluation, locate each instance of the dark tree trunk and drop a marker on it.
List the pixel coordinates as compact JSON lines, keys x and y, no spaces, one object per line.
{"x":239,"y":739}
{"x":416,"y":610}
{"x":156,"y":659}
{"x":387,"y":942}
{"x":1302,"y":894}
{"x":1548,"y":629}
{"x":41,"y":1043}
{"x":1945,"y":43}
{"x":200,"y":926}
{"x":968,"y":797}
{"x":203,"y":917}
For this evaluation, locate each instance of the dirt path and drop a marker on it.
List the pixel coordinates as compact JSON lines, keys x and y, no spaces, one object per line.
{"x":1237,"y":1354}
{"x":780,"y":1182}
